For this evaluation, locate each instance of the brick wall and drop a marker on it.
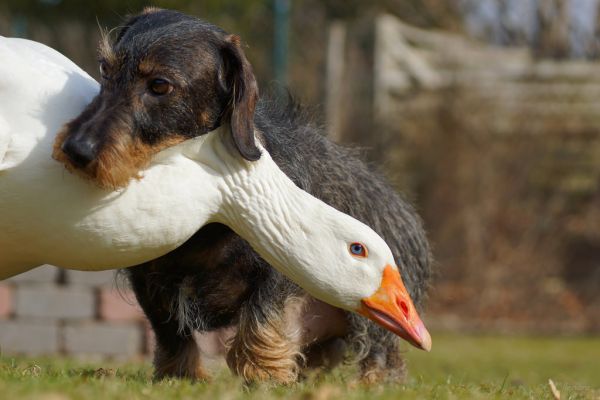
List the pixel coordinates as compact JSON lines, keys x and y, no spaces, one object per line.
{"x":52,"y":311}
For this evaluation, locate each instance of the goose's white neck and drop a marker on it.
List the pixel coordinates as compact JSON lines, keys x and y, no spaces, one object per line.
{"x":264,"y":206}
{"x":292,"y":230}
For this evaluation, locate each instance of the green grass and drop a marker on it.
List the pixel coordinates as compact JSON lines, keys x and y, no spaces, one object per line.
{"x":459,"y":367}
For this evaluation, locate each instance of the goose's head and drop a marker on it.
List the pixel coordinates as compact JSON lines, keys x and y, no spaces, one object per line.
{"x":362,"y":276}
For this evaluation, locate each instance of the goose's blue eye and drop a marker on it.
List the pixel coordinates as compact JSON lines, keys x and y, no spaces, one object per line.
{"x":358,"y":249}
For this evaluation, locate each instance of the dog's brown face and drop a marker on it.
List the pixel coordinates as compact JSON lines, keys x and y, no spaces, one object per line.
{"x":167,"y":77}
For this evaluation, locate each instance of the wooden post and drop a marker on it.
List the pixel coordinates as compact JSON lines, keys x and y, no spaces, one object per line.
{"x":336,"y":45}
{"x":281,"y":42}
{"x":553,"y":35}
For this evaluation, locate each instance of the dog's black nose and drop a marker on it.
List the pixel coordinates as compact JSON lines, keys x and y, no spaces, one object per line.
{"x":80,"y":151}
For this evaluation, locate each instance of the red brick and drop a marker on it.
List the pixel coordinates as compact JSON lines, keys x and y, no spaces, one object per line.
{"x":6,"y":301}
{"x":119,"y":306}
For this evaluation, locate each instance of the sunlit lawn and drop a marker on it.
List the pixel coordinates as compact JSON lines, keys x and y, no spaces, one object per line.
{"x":459,"y":367}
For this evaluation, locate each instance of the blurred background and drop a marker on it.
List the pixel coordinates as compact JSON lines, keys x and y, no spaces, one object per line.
{"x":485,"y":113}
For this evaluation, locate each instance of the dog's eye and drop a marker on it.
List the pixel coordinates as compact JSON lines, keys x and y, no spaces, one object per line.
{"x":160,"y":87}
{"x":358,"y":249}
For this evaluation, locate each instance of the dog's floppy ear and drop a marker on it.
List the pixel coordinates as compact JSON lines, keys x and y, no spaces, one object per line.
{"x":240,"y":84}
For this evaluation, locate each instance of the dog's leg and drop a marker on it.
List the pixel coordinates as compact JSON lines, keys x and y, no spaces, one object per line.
{"x":395,"y":364}
{"x":177,"y":356}
{"x":383,"y":361}
{"x":267,"y":345}
{"x":176,"y":353}
{"x":326,"y":355}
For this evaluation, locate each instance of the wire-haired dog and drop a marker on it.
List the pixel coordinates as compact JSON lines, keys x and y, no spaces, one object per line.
{"x":168,"y":77}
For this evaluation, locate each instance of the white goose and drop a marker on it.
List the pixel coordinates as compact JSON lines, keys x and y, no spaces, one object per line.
{"x":48,"y":215}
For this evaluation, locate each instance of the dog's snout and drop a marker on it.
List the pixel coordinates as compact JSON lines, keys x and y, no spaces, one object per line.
{"x":81,"y":151}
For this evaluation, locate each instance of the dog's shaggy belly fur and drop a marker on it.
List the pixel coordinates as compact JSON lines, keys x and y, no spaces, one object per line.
{"x":216,"y":279}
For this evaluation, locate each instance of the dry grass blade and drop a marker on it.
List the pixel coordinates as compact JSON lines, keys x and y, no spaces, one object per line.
{"x":555,"y":392}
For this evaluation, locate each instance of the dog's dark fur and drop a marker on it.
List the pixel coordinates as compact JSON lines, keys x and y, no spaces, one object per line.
{"x":215,"y":279}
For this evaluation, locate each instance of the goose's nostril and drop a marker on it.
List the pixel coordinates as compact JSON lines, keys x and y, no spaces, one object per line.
{"x":404,"y":307}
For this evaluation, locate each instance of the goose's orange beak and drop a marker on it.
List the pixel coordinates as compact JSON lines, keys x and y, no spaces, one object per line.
{"x":392,"y":308}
